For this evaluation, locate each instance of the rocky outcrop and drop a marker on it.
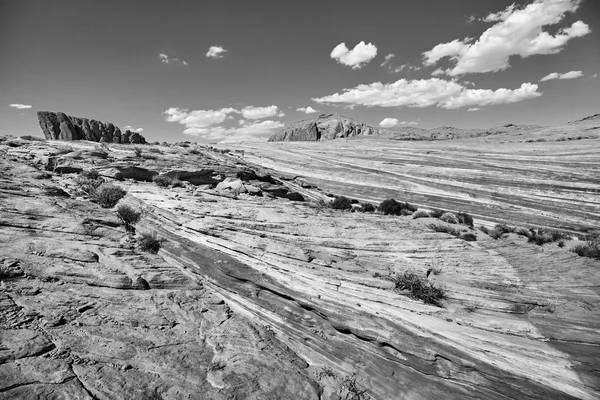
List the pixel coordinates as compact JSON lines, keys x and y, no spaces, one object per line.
{"x":324,"y":127}
{"x":60,"y":126}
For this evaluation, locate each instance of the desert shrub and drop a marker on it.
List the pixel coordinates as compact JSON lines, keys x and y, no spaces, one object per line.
{"x":473,"y":306}
{"x":154,"y":150}
{"x":503,"y":228}
{"x":449,"y":218}
{"x":128,"y":215}
{"x":436,"y":213}
{"x":541,"y":236}
{"x":149,"y":243}
{"x":166,"y":181}
{"x":437,"y":227}
{"x":590,"y":248}
{"x":484,"y":229}
{"x":367,"y":207}
{"x":108,"y":195}
{"x":88,"y":182}
{"x":522,"y":232}
{"x":496,"y":234}
{"x":341,"y":203}
{"x":469,"y":237}
{"x":393,"y":207}
{"x":90,"y":174}
{"x":465,"y":219}
{"x":419,"y":288}
{"x":420,"y":214}
{"x":138,"y":151}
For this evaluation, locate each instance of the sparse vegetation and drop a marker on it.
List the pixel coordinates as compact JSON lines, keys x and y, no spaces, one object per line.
{"x":166,"y":181}
{"x":88,"y":182}
{"x":449,"y":218}
{"x":154,"y":150}
{"x":464,"y":219}
{"x":469,"y":237}
{"x":149,"y":243}
{"x":503,"y":228}
{"x":367,"y":207}
{"x":341,"y":203}
{"x":420,"y":214}
{"x":436,"y":213}
{"x":590,"y":248}
{"x":541,"y":236}
{"x":472,"y":306}
{"x":138,"y":151}
{"x":419,"y":288}
{"x":496,"y":234}
{"x":437,"y":227}
{"x":107,"y":195}
{"x":393,"y":207}
{"x":128,"y":216}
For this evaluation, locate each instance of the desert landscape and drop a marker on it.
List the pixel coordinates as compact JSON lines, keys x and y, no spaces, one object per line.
{"x":246,"y":275}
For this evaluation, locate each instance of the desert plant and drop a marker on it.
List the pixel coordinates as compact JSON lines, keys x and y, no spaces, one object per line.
{"x":472,"y":306}
{"x":437,"y":227}
{"x":149,"y":243}
{"x":465,"y":219}
{"x":522,"y":232}
{"x":469,"y":237}
{"x":393,"y":207}
{"x":541,"y":236}
{"x":90,"y":174}
{"x":484,"y":229}
{"x":367,"y":207}
{"x":436,"y":213}
{"x":420,"y":214}
{"x":88,"y":182}
{"x":503,"y":228}
{"x":138,"y":151}
{"x":341,"y":203}
{"x":154,"y":150}
{"x":128,"y":216}
{"x":590,"y":248}
{"x":107,"y":195}
{"x":449,"y":218}
{"x":420,"y":288}
{"x":496,"y":234}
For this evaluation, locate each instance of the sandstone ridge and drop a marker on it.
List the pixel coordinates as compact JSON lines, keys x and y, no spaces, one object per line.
{"x":323,"y":127}
{"x":60,"y":126}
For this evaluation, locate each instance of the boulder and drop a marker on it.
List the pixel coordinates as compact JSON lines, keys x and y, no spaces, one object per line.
{"x":202,"y":177}
{"x":126,"y":171}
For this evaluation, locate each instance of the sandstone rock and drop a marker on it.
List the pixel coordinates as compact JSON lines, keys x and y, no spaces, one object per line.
{"x":323,"y":127}
{"x":127,"y":171}
{"x":232,"y":184}
{"x":202,"y":177}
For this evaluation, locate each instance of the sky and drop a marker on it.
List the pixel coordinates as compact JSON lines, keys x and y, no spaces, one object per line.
{"x":227,"y":71}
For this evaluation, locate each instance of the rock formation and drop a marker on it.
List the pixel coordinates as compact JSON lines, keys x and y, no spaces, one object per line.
{"x":60,"y":126}
{"x":323,"y":127}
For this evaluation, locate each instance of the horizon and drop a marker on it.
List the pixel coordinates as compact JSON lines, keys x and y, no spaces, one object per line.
{"x":238,"y":71}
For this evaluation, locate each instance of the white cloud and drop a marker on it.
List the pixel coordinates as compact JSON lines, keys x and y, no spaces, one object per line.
{"x":355,"y":58}
{"x":437,"y":72}
{"x":389,"y":122}
{"x":20,"y":106}
{"x":129,"y":128}
{"x":427,"y":92}
{"x":307,"y":110}
{"x":168,"y":60}
{"x":388,"y":58}
{"x":473,"y":109}
{"x":198,"y":119}
{"x":567,"y":75}
{"x":413,"y":123}
{"x":595,"y":76}
{"x":215,"y":52}
{"x":251,"y":112}
{"x":518,"y":31}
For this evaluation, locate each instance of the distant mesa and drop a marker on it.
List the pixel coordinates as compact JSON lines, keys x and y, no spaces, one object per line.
{"x":323,"y":127}
{"x":60,"y":126}
{"x":591,"y":118}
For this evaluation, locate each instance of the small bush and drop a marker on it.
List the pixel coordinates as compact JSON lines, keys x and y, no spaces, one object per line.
{"x":88,"y":182}
{"x":444,"y":229}
{"x":90,"y":174}
{"x":166,"y":181}
{"x":469,"y":237}
{"x":149,"y":243}
{"x":522,"y":232}
{"x":420,"y":214}
{"x":496,"y":234}
{"x":420,"y":288}
{"x":341,"y":203}
{"x":503,"y":228}
{"x":449,"y":218}
{"x":484,"y":229}
{"x":138,"y":151}
{"x":590,"y":248}
{"x":473,"y":306}
{"x":542,"y":236}
{"x":128,"y":215}
{"x":393,"y":207}
{"x":465,"y":219}
{"x":108,"y":195}
{"x":436,"y":213}
{"x":367,"y":207}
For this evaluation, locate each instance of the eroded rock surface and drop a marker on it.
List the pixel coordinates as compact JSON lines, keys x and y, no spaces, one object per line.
{"x":267,"y":298}
{"x":323,"y":127}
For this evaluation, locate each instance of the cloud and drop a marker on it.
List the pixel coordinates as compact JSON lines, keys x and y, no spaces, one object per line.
{"x":473,"y":109}
{"x":168,"y":60}
{"x":355,"y":58}
{"x":215,"y":52}
{"x":250,"y":112}
{"x":20,"y":106}
{"x":389,"y":122}
{"x":567,"y":75}
{"x":197,"y":119}
{"x":129,"y":128}
{"x":388,"y":58}
{"x":595,"y":76}
{"x":307,"y":110}
{"x":518,"y":31}
{"x":427,"y":92}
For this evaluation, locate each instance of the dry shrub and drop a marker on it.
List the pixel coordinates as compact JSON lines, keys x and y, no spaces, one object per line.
{"x":107,"y":195}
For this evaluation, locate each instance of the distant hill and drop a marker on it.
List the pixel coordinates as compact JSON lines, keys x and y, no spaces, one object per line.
{"x":591,"y":118}
{"x":451,"y":133}
{"x":323,"y":127}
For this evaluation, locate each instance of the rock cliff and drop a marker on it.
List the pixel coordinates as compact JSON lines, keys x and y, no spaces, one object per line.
{"x":323,"y":127}
{"x":60,"y":126}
